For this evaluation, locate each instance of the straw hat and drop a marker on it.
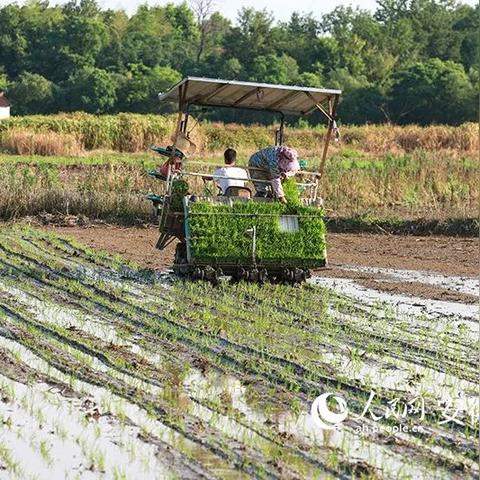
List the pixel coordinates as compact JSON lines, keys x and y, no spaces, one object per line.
{"x":184,"y":144}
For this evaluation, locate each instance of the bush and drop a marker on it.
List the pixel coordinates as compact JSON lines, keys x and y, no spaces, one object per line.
{"x":218,"y":233}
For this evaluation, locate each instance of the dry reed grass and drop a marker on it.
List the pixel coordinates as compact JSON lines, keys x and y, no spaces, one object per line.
{"x":419,"y":185}
{"x":26,"y":142}
{"x":135,"y":133}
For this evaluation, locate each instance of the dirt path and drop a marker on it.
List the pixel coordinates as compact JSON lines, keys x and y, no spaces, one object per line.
{"x":446,"y":255}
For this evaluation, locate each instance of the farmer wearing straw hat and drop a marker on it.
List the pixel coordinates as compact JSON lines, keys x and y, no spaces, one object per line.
{"x":274,"y":164}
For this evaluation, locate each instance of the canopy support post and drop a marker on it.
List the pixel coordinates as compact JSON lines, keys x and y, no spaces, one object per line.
{"x":279,"y":134}
{"x":182,"y":117}
{"x":331,"y":122}
{"x":181,"y":97}
{"x":184,"y":122}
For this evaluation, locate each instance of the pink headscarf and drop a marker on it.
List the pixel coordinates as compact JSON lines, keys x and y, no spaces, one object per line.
{"x":288,"y":159}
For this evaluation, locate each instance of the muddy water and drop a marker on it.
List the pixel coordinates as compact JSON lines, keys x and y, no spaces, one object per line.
{"x":467,"y":285}
{"x":199,"y":386}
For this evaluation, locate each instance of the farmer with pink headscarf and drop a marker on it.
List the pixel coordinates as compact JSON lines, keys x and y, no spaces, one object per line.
{"x":273,"y":164}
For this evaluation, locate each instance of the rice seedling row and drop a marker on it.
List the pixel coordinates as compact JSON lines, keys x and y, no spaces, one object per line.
{"x":215,"y":367}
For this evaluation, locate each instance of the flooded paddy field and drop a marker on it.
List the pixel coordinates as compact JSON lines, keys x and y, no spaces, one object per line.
{"x":113,"y":370}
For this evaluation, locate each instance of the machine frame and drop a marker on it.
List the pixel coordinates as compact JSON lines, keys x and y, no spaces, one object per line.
{"x":279,"y":99}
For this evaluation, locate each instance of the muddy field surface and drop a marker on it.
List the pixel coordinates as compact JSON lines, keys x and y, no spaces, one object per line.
{"x":448,"y":255}
{"x":371,"y":259}
{"x":112,"y":370}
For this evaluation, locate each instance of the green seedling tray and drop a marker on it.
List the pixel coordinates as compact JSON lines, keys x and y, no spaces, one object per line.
{"x":217,"y":233}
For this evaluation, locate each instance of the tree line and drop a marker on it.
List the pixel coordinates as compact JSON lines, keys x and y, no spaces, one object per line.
{"x":409,"y":61}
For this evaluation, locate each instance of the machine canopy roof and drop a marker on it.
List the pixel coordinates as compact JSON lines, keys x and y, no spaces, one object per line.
{"x":289,"y":100}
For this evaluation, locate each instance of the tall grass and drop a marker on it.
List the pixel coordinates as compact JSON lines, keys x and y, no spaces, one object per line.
{"x":134,"y":133}
{"x":420,"y":184}
{"x":409,"y":186}
{"x":375,"y":139}
{"x":27,"y":142}
{"x":123,"y":132}
{"x":113,"y":193}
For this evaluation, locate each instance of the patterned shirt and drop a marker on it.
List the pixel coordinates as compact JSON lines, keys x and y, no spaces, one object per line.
{"x":268,"y":158}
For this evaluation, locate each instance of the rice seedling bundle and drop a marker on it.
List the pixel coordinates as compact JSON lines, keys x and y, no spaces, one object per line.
{"x":179,"y":190}
{"x":218,"y":232}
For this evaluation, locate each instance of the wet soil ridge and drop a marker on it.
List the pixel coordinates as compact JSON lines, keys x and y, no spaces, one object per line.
{"x":138,"y":375}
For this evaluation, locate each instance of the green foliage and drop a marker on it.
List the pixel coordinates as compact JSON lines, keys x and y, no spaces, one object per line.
{"x":31,"y":93}
{"x":291,"y":191}
{"x":105,"y":61}
{"x":432,"y":91}
{"x":219,"y":232}
{"x":3,"y":81}
{"x":364,"y":105}
{"x":91,"y":90}
{"x":274,"y":69}
{"x":141,"y":85}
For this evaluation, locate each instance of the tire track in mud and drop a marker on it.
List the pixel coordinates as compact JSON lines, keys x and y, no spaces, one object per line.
{"x":143,"y":315}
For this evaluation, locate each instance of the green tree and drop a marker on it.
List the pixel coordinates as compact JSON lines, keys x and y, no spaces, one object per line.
{"x":13,"y":42}
{"x":433,"y":22}
{"x":364,"y":105}
{"x":120,"y":62}
{"x":111,"y":55}
{"x":251,"y":38}
{"x":212,"y":28}
{"x":274,"y":69}
{"x":431,"y":92}
{"x":139,"y":88}
{"x":312,"y":79}
{"x":31,"y":93}
{"x":90,"y":90}
{"x":84,"y":38}
{"x":341,"y":23}
{"x":468,"y":26}
{"x":342,"y":79}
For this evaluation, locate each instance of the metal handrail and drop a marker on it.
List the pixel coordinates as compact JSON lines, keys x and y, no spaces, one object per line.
{"x":246,"y":167}
{"x":250,"y":179}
